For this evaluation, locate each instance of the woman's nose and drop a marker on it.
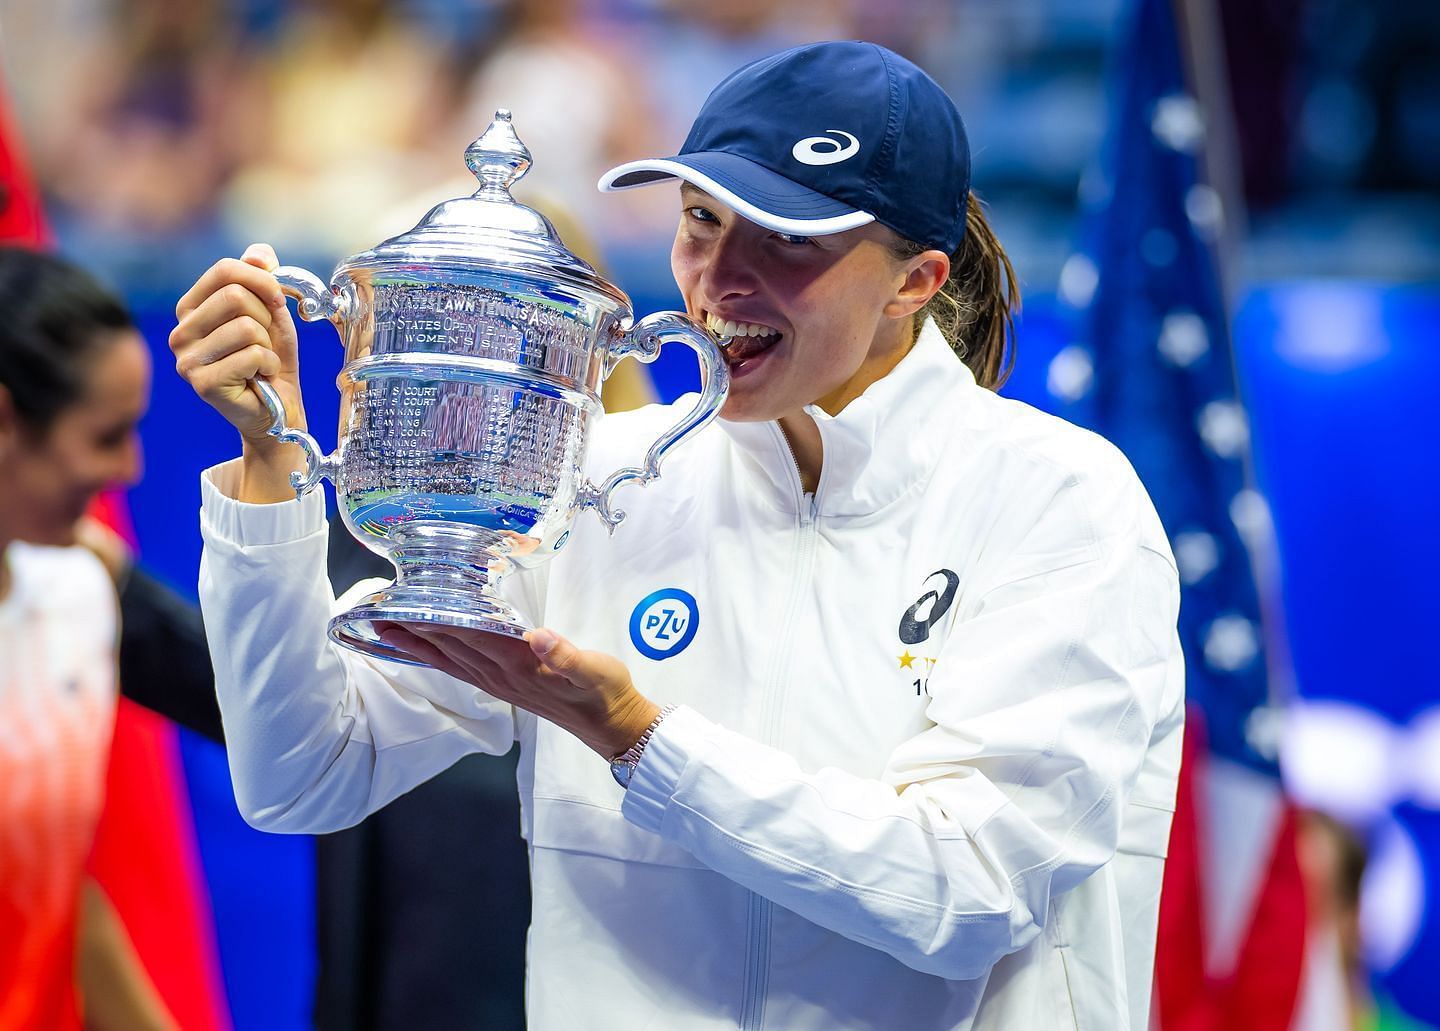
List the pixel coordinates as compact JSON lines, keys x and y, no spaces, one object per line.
{"x":131,"y":462}
{"x":730,"y":268}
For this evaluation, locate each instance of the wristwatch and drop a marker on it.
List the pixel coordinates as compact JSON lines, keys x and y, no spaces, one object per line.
{"x":622,"y":766}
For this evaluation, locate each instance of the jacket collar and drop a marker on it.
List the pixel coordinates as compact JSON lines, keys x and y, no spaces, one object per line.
{"x":880,"y":446}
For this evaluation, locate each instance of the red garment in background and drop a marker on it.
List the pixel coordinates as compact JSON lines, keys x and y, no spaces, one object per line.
{"x":21,"y":218}
{"x":57,"y":715}
{"x":146,"y":859}
{"x":145,"y":855}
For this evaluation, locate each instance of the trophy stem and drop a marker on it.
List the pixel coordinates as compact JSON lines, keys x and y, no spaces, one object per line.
{"x":446,"y":574}
{"x":449,"y":556}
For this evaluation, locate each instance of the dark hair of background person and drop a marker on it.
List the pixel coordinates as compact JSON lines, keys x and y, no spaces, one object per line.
{"x":53,"y":319}
{"x":975,"y":309}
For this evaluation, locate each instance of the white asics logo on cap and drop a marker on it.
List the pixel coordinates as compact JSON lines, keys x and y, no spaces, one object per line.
{"x":807,"y":152}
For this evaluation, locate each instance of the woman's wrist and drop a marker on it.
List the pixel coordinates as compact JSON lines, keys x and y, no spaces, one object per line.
{"x":265,"y":468}
{"x":625,"y":726}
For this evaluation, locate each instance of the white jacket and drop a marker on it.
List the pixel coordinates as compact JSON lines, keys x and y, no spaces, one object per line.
{"x":924,"y":763}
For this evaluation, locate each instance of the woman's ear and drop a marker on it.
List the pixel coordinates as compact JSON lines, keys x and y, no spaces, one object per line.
{"x":925,"y":274}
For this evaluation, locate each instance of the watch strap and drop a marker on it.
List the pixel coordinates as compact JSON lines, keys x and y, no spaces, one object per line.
{"x":622,"y":766}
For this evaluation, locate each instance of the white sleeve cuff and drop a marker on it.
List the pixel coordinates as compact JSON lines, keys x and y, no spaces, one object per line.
{"x":245,"y":525}
{"x":683,"y":737}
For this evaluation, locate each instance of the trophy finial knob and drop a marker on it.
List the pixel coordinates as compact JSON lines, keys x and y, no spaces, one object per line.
{"x":498,"y":158}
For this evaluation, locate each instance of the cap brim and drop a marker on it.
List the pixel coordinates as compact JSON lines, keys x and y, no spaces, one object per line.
{"x":764,"y":197}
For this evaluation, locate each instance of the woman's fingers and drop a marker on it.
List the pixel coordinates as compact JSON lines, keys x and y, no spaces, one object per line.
{"x":419,"y":649}
{"x":224,"y":383}
{"x":496,"y":664}
{"x":233,"y":326}
{"x":588,"y":693}
{"x":223,"y":273}
{"x":229,"y":373}
{"x":232,"y":301}
{"x":588,"y":671}
{"x":468,"y":649}
{"x":239,"y":334}
{"x":238,"y":290}
{"x":542,"y":655}
{"x":559,"y":656}
{"x":261,"y":255}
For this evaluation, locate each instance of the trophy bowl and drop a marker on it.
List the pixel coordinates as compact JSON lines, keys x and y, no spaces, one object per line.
{"x":475,"y":348}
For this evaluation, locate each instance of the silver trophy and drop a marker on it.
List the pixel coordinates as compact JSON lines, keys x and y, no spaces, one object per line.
{"x":475,"y":346}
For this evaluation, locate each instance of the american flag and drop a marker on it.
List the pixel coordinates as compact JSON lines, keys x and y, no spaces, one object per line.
{"x":1151,"y":369}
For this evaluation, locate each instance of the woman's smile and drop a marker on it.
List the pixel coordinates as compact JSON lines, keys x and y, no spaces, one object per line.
{"x":745,"y":345}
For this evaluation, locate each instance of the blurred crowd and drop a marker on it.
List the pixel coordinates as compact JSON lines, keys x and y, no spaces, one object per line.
{"x":186,"y":128}
{"x":326,"y":125}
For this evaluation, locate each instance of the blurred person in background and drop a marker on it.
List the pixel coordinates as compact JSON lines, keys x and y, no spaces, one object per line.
{"x":1334,"y":859}
{"x":158,"y":113}
{"x":693,"y":44}
{"x":688,"y":47}
{"x":74,"y":382}
{"x":892,"y":838}
{"x":570,"y":83}
{"x":353,"y":104}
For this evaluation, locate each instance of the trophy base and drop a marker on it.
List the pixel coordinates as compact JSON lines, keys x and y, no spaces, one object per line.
{"x":356,"y":628}
{"x":446,"y":574}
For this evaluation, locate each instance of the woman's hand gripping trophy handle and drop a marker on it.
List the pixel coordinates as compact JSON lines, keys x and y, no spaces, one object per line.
{"x":233,"y":325}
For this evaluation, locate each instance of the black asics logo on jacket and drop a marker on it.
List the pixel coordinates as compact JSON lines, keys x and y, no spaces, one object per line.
{"x":930,"y":609}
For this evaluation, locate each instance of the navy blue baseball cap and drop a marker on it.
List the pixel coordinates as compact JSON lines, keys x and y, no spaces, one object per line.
{"x":823,"y":138}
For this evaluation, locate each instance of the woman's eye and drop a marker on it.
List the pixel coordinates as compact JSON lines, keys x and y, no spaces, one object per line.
{"x":795,"y":241}
{"x":114,"y":438}
{"x":700,"y":214}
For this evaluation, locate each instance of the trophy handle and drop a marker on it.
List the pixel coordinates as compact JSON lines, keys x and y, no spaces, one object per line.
{"x":643,"y":341}
{"x":314,"y":300}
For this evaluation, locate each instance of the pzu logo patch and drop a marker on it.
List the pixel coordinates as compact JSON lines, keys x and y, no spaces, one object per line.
{"x":664,"y":623}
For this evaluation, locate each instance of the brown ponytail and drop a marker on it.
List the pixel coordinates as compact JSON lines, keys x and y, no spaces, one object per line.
{"x":975,"y":309}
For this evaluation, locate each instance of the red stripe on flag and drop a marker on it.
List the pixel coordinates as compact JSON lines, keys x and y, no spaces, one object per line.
{"x":1261,"y":989}
{"x":1265,"y":989}
{"x":1182,"y":994}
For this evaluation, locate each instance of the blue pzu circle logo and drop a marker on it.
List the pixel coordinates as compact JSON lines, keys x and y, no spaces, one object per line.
{"x":664,"y":623}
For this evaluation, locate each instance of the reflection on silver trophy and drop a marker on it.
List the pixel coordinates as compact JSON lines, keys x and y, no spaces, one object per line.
{"x":475,"y":346}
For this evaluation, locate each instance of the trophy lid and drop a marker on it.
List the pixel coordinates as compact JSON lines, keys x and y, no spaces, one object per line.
{"x":490,"y":231}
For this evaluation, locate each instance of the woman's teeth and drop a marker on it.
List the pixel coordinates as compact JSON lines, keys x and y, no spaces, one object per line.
{"x":742,"y":340}
{"x":726,"y":328}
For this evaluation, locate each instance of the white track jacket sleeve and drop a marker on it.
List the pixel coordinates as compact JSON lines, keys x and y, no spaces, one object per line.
{"x":1044,"y":700}
{"x":317,"y":736}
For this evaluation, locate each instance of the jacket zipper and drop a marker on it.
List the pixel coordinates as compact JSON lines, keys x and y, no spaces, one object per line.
{"x":757,"y":971}
{"x":757,"y":967}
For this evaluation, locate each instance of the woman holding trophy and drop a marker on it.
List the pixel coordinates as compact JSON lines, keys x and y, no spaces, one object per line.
{"x":884,"y":667}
